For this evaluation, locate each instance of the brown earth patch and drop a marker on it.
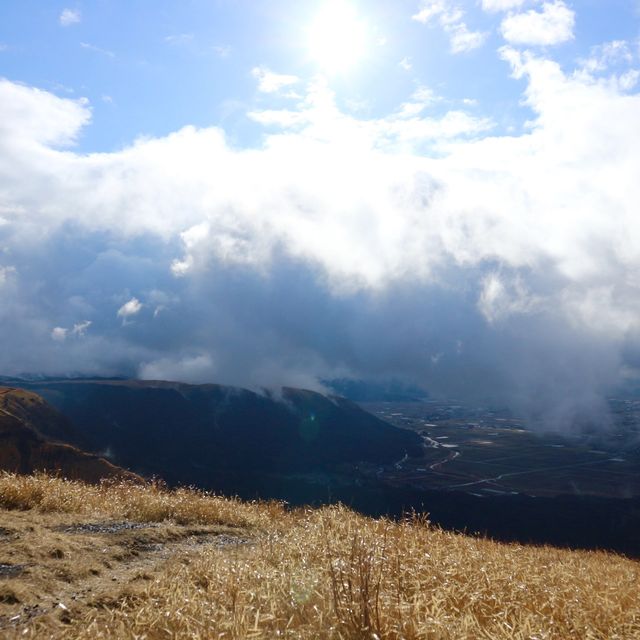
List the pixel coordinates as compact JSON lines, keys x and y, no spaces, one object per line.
{"x":55,"y":568}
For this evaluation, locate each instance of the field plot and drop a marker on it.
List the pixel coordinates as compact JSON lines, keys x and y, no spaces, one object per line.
{"x":488,"y":452}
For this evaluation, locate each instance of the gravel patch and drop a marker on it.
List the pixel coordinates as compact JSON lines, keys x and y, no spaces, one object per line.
{"x":11,"y":570}
{"x":105,"y":527}
{"x":225,"y":540}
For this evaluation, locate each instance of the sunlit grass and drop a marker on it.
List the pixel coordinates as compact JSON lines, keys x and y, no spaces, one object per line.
{"x":331,"y":573}
{"x":129,"y":501}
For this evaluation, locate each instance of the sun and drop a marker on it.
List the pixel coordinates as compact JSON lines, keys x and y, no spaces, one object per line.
{"x":337,"y":37}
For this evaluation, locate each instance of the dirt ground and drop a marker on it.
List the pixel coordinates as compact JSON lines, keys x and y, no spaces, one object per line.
{"x":63,"y":566}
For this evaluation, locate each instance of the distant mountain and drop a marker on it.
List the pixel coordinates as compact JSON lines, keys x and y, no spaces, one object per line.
{"x":34,"y":436}
{"x":206,"y":434}
{"x":376,"y":391}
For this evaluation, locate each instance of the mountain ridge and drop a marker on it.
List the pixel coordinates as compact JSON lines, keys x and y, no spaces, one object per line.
{"x":192,"y":434}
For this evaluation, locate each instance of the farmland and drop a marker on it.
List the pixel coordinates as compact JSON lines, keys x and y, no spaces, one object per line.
{"x":490,"y":452}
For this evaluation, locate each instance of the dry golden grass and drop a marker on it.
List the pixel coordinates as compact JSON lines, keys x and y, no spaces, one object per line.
{"x":128,"y":501}
{"x":330,"y":573}
{"x":51,"y":560}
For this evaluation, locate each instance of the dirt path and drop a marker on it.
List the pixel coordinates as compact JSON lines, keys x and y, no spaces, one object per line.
{"x":61,"y":569}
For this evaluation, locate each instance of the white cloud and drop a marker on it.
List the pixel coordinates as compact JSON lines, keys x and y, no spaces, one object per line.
{"x":421,"y":98}
{"x":318,"y":118}
{"x":271,"y":82}
{"x":405,"y":64}
{"x":259,"y":199}
{"x":532,"y":240}
{"x":44,"y":118}
{"x":608,"y":54}
{"x":59,"y":334}
{"x":130,"y":308}
{"x":5,"y":272}
{"x":100,"y":50}
{"x":191,"y":238}
{"x":69,"y":17}
{"x":179,"y":38}
{"x":450,"y":18}
{"x":501,"y":5}
{"x":431,"y":9}
{"x":191,"y":368}
{"x":286,"y":118}
{"x":463,"y":40}
{"x":552,"y":25}
{"x":616,"y":60}
{"x":629,"y":80}
{"x":80,"y":328}
{"x":501,"y":298}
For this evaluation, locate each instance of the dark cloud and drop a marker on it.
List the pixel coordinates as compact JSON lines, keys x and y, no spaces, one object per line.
{"x":497,"y":269}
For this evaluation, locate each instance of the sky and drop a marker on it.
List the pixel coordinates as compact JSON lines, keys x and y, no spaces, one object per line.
{"x":269,"y":192}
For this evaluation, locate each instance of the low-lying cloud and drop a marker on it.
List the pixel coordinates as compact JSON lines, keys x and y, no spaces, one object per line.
{"x":415,"y":246}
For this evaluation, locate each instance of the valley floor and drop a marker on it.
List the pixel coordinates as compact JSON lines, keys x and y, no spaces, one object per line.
{"x":125,"y":561}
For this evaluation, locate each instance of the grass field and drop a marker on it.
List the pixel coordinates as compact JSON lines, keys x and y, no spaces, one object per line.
{"x":125,"y":561}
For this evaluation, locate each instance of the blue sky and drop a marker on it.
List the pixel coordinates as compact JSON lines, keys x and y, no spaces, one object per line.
{"x":269,"y":192}
{"x":149,"y":68}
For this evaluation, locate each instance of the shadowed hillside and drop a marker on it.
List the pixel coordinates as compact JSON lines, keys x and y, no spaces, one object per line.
{"x":200,"y":433}
{"x":29,"y":428}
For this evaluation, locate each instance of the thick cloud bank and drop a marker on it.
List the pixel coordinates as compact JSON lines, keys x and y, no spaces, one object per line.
{"x":413,"y":246}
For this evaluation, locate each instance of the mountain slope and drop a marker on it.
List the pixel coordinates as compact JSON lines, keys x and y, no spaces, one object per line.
{"x":199,"y":433}
{"x":25,"y":418}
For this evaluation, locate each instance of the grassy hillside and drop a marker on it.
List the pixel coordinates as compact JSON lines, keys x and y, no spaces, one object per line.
{"x":30,"y":440}
{"x":125,"y":561}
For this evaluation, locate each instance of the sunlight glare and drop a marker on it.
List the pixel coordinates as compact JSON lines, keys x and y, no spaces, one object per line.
{"x":337,"y":37}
